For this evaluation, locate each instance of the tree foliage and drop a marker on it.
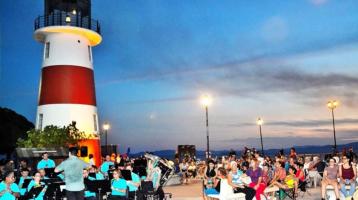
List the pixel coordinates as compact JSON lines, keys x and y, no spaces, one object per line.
{"x":12,"y":127}
{"x":52,"y":136}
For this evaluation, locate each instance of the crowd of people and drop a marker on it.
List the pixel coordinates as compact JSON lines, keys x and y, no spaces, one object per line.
{"x":23,"y":181}
{"x":255,"y":175}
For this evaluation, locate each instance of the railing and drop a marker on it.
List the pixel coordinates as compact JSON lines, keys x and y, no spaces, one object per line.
{"x":62,"y":19}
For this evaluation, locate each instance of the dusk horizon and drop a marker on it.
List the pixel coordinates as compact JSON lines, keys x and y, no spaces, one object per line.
{"x":281,"y":61}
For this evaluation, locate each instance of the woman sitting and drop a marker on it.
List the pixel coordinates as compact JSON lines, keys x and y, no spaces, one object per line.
{"x":210,"y":174}
{"x":118,"y":186}
{"x":184,"y":171}
{"x":235,"y":180}
{"x":330,"y":175}
{"x":192,"y":169}
{"x":36,"y":183}
{"x":215,"y":189}
{"x":290,"y":181}
{"x":300,"y":175}
{"x":255,"y":174}
{"x":348,"y":175}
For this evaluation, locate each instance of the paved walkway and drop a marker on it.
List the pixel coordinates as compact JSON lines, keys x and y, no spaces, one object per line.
{"x":193,"y":191}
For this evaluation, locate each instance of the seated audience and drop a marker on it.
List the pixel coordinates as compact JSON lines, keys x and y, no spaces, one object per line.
{"x":290,"y":182}
{"x":215,"y":189}
{"x":347,"y":174}
{"x":210,"y":174}
{"x":255,"y":173}
{"x":330,"y":176}
{"x":235,"y":180}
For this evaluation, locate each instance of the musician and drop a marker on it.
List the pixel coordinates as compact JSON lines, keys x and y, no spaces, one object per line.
{"x":45,"y":162}
{"x":43,"y":174}
{"x":8,"y":189}
{"x":154,"y":175}
{"x":133,"y":184}
{"x":24,"y":175}
{"x":35,"y":183}
{"x":99,"y":175}
{"x":106,"y":165}
{"x":24,"y":165}
{"x":73,"y":169}
{"x":88,"y":194}
{"x":118,"y":186}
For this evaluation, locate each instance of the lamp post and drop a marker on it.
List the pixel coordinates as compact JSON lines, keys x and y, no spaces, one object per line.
{"x":259,"y":122}
{"x":106,"y":127}
{"x":332,"y":104}
{"x":205,"y":101}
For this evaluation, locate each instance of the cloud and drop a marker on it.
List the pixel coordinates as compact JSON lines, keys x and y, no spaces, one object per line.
{"x":304,"y":123}
{"x":285,"y":141}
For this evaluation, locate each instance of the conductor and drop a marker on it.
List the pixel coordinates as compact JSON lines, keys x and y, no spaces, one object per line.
{"x":73,"y":168}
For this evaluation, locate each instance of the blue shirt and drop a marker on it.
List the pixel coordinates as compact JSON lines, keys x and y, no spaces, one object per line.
{"x":21,"y":182}
{"x":135,"y":179}
{"x":42,"y":193}
{"x":46,"y":164}
{"x":8,"y":195}
{"x":236,"y":177}
{"x":89,"y":193}
{"x":105,"y":166}
{"x":119,"y":184}
{"x":99,"y":176}
{"x":73,"y":168}
{"x":61,"y":176}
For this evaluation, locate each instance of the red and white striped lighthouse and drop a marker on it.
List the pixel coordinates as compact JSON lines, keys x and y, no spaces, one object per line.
{"x":67,"y":89}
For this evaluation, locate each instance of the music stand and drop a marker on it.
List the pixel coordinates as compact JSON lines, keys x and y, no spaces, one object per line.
{"x":93,"y":175}
{"x":91,"y":186}
{"x":26,"y":183}
{"x":34,"y":192}
{"x":141,"y":171}
{"x":50,"y":172}
{"x":54,"y":190}
{"x":126,"y":174}
{"x":104,"y":186}
{"x":52,"y":181}
{"x":110,"y":174}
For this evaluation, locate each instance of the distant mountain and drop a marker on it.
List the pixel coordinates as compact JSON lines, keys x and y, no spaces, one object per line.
{"x":309,"y":149}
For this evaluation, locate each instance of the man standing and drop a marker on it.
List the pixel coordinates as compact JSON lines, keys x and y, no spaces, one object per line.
{"x":73,"y":168}
{"x":45,"y":162}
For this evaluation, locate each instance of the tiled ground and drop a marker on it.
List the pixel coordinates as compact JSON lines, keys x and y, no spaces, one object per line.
{"x":192,"y":191}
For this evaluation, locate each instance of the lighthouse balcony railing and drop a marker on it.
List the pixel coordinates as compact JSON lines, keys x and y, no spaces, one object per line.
{"x":67,"y":20}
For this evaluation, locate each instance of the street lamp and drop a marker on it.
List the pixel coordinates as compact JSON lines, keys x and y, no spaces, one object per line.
{"x":259,"y":122}
{"x":106,"y":127}
{"x":332,"y":104}
{"x":206,"y":101}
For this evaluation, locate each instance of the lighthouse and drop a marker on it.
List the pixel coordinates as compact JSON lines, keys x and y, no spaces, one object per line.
{"x":67,"y":88}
